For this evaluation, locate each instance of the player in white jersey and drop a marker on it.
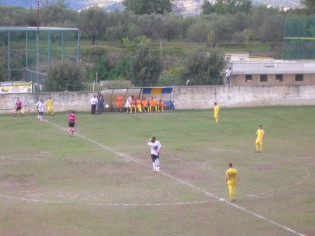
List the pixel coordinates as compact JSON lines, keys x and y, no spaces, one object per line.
{"x":155,"y":153}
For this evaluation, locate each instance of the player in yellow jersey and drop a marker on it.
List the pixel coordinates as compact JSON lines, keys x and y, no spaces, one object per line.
{"x":144,"y":104}
{"x":260,"y":139}
{"x":231,"y":177}
{"x":216,"y":110}
{"x":151,"y":105}
{"x":138,"y":104}
{"x":161,"y":105}
{"x":50,"y":109}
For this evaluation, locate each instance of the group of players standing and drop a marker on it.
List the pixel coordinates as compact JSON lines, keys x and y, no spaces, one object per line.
{"x":231,"y":174}
{"x":144,"y":105}
{"x":40,"y":105}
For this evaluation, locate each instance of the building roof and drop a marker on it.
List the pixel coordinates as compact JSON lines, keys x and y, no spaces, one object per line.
{"x":272,"y":67}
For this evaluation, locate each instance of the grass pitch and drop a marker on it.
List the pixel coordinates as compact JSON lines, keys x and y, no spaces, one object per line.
{"x":101,"y":182}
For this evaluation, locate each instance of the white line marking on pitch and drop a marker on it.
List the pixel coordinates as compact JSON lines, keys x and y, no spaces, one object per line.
{"x":106,"y":204}
{"x":186,"y":183}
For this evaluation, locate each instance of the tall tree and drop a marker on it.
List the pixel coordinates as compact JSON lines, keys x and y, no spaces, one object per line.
{"x":146,"y":67}
{"x":141,"y":7}
{"x":310,"y":5}
{"x":225,"y":7}
{"x":64,"y":76}
{"x":173,"y":26}
{"x":204,"y":67}
{"x":92,"y":22}
{"x":207,"y":7}
{"x":57,"y":13}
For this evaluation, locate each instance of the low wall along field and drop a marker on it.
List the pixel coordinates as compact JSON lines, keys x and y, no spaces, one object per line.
{"x":185,"y":97}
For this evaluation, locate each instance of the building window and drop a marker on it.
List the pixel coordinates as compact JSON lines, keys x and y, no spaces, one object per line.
{"x":299,"y":77}
{"x":248,"y":78}
{"x":279,"y":78}
{"x":263,"y":78}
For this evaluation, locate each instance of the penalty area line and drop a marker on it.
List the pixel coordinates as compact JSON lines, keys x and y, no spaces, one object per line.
{"x":188,"y":184}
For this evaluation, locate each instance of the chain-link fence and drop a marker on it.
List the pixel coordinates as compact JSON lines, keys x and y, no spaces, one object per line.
{"x":28,"y":51}
{"x":299,"y":37}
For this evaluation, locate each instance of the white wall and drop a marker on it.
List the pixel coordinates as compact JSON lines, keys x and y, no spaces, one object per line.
{"x":185,"y":97}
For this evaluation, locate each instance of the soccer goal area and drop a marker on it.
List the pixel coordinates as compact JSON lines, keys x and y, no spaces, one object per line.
{"x":27,"y":52}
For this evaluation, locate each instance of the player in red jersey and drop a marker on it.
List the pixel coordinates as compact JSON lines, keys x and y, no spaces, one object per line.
{"x":72,"y":121}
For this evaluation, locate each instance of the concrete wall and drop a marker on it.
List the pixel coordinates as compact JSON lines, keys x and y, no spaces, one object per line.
{"x":188,"y":97}
{"x":62,"y":101}
{"x":242,"y":96}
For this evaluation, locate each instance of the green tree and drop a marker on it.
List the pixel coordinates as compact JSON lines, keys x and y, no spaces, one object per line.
{"x":64,"y":76}
{"x":141,"y":7}
{"x":12,"y":16}
{"x":225,"y":7}
{"x":265,"y":20}
{"x":136,"y":43}
{"x":151,"y":25}
{"x":310,"y":5}
{"x":207,"y":7}
{"x":92,"y":22}
{"x":204,"y":67}
{"x":122,"y":24}
{"x":173,"y":26}
{"x":102,"y":67}
{"x":121,"y":69}
{"x":58,"y":13}
{"x":146,"y":67}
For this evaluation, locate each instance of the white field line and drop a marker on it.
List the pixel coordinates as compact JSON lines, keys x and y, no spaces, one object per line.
{"x":105,"y":204}
{"x":187,"y":184}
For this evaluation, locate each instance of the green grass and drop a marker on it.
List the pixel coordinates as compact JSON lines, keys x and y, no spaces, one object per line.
{"x":100,"y":182}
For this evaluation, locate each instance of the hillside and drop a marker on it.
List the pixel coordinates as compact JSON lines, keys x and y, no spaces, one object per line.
{"x":185,"y":7}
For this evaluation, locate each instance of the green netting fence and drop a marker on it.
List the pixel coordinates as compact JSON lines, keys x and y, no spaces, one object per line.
{"x":299,"y":37}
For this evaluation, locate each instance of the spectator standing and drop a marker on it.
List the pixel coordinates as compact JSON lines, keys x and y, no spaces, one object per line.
{"x":100,"y":104}
{"x":228,"y":74}
{"x":93,"y":102}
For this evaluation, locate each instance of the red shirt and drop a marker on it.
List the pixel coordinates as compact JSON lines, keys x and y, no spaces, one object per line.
{"x":72,"y":118}
{"x":18,"y":104}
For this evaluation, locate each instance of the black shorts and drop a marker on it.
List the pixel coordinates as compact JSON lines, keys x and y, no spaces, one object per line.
{"x":18,"y":108}
{"x":71,"y":124}
{"x":40,"y":113}
{"x":154,"y":157}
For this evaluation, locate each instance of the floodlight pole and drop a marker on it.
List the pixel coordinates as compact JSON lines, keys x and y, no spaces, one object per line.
{"x":9,"y":56}
{"x":37,"y":42}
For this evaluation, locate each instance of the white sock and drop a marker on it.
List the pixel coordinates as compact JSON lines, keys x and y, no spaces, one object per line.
{"x":157,"y":162}
{"x":153,"y":164}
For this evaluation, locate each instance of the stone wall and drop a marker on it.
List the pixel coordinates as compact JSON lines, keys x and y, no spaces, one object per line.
{"x":185,"y":97}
